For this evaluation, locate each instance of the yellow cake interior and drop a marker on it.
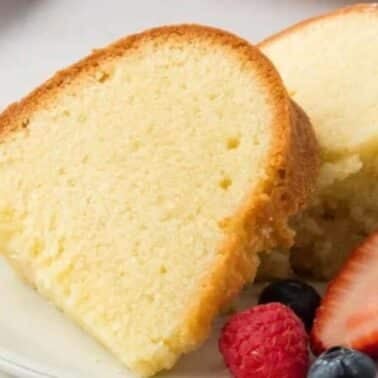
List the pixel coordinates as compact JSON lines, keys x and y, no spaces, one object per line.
{"x":113,"y":195}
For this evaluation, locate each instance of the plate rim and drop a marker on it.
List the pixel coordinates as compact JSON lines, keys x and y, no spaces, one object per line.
{"x":21,"y":367}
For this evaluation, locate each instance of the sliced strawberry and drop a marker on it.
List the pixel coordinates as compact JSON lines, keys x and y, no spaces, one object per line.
{"x":348,"y":315}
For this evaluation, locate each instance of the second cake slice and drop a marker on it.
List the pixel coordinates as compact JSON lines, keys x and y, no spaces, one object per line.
{"x":330,"y":66}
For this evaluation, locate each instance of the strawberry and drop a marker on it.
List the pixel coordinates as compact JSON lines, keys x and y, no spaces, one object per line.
{"x":348,"y":315}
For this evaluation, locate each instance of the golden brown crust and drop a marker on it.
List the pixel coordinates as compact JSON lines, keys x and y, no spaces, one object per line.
{"x":261,"y":221}
{"x":16,"y":115}
{"x":261,"y":224}
{"x":356,"y":8}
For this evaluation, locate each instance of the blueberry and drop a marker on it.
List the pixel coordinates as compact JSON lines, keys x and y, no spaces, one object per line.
{"x":302,"y":298}
{"x":341,"y":362}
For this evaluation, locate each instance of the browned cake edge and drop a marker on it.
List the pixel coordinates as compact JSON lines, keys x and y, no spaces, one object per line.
{"x":356,"y":8}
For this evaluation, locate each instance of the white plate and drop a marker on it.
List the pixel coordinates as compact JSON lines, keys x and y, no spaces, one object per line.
{"x":37,"y":37}
{"x":38,"y":341}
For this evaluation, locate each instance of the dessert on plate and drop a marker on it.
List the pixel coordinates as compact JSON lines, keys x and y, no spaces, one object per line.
{"x":330,"y":67}
{"x":139,"y":184}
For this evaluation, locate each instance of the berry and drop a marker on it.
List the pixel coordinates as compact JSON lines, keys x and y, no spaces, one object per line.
{"x":265,"y":341}
{"x":302,"y":298}
{"x":348,"y":315}
{"x":340,"y":362}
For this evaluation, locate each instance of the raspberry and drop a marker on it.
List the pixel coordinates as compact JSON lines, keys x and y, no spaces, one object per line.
{"x":265,"y":341}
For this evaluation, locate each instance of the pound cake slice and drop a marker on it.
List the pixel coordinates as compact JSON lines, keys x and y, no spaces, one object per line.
{"x":138,"y":185}
{"x":330,"y":67}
